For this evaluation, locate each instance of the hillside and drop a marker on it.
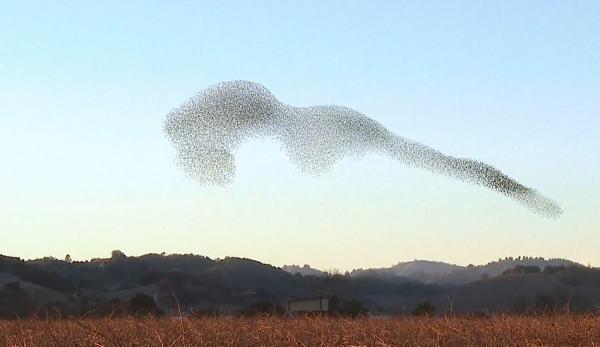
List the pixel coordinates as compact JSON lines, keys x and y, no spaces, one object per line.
{"x":166,"y":283}
{"x":449,"y":274}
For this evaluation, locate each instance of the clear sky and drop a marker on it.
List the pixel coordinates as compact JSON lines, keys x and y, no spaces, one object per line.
{"x":85,"y":88}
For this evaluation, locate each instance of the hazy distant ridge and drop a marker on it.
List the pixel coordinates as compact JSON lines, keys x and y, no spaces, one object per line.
{"x":440,"y":272}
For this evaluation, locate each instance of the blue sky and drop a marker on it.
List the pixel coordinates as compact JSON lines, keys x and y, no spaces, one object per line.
{"x":85,"y":87}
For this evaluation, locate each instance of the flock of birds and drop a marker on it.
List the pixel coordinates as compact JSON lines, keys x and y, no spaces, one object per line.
{"x":208,"y":128}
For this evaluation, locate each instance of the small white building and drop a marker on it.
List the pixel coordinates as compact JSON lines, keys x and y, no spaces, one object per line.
{"x":308,"y":305}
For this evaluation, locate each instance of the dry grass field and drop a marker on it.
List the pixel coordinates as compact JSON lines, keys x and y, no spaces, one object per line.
{"x":563,"y":330}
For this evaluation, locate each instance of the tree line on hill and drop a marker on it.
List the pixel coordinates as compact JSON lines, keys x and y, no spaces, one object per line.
{"x":169,"y":284}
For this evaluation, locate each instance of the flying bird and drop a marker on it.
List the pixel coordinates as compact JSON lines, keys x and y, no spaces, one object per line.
{"x":207,"y":129}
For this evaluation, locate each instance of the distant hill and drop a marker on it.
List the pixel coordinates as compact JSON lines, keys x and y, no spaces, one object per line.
{"x":305,"y":270}
{"x":422,"y":270}
{"x":165,"y":283}
{"x":449,"y":274}
{"x":557,"y":287}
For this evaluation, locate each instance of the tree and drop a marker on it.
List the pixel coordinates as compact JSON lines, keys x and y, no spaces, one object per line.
{"x":142,"y":304}
{"x":424,"y":308}
{"x":117,"y":254}
{"x":68,"y":258}
{"x":522,"y":269}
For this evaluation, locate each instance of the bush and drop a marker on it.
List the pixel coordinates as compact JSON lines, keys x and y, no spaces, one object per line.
{"x":264,"y":308}
{"x":142,"y":304}
{"x":350,"y":308}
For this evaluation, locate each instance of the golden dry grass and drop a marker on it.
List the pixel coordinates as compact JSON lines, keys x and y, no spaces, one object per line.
{"x":564,"y":330}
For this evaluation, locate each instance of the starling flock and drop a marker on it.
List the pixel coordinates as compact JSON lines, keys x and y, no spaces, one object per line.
{"x":207,"y":129}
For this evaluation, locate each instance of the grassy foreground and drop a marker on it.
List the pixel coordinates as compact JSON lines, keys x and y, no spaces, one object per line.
{"x":561,"y":330}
